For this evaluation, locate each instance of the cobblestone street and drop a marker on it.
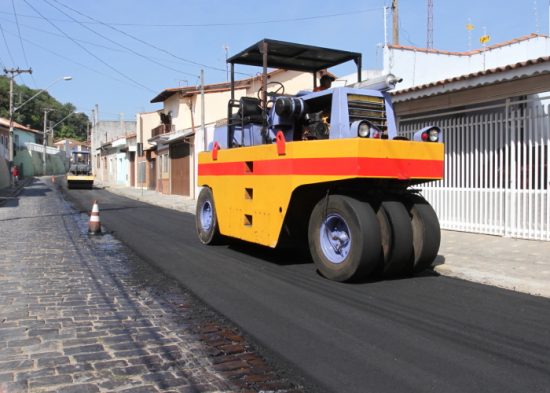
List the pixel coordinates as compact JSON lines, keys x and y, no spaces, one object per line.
{"x":83,"y":314}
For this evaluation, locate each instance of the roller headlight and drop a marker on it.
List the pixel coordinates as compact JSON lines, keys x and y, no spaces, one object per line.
{"x":365,"y":129}
{"x":433,"y":135}
{"x":428,"y":134}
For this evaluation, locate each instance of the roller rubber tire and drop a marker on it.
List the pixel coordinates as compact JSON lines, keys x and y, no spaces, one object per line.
{"x":336,"y":220}
{"x":206,"y":221}
{"x":426,"y":232}
{"x":397,"y":239}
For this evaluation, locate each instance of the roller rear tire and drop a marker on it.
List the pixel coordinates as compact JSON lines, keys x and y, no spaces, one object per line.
{"x":397,"y":239}
{"x":426,"y":232}
{"x":344,"y":238}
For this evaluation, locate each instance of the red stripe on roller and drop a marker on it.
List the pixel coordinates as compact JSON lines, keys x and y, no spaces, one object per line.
{"x":333,"y":166}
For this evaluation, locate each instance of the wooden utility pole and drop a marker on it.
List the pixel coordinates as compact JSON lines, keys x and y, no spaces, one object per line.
{"x":12,"y":73}
{"x":44,"y":139}
{"x":395,"y":13}
{"x":203,"y":128}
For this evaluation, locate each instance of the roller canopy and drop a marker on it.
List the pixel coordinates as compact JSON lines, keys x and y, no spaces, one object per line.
{"x":291,"y":56}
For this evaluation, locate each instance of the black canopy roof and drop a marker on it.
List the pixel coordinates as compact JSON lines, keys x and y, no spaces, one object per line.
{"x":291,"y":56}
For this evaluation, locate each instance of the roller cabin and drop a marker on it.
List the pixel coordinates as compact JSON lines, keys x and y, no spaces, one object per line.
{"x":80,"y":171}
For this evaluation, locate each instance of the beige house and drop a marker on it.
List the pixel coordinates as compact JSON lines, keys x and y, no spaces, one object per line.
{"x":177,"y":137}
{"x":70,"y":145}
{"x":146,"y":152}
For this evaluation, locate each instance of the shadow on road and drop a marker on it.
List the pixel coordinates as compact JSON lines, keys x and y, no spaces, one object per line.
{"x":278,"y":256}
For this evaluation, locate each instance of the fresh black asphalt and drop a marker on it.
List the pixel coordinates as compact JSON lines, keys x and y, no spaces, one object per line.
{"x":426,"y":333}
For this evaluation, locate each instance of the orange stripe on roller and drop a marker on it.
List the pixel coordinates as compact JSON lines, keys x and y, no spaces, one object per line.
{"x":340,"y":166}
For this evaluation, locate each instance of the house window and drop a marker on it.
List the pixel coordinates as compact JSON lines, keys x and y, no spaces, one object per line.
{"x":164,"y":167}
{"x":165,"y":164}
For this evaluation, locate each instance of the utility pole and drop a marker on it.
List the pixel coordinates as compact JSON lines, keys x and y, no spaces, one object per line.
{"x":12,"y":73}
{"x":386,"y":26}
{"x":203,"y":129}
{"x":226,"y":49}
{"x":395,"y":14}
{"x":44,"y":140}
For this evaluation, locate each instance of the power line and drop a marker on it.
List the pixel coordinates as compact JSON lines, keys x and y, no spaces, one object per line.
{"x":117,"y":43}
{"x":90,"y":43}
{"x":21,"y":40}
{"x":72,"y":61}
{"x":60,"y":35}
{"x":88,"y":51}
{"x":225,"y":24}
{"x":7,"y":46}
{"x":142,"y":41}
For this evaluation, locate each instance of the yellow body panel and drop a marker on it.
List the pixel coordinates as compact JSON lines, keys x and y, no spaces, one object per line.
{"x":252,"y":186}
{"x":80,"y":180}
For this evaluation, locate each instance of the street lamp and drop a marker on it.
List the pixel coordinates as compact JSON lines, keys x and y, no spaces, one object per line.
{"x":44,"y":144}
{"x":65,"y":78}
{"x":15,"y":109}
{"x":61,"y":121}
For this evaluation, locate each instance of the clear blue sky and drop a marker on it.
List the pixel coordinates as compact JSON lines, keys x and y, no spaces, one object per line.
{"x":122,"y":53}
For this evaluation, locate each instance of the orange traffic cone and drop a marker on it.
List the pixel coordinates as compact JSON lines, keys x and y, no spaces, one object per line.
{"x":94,"y":225}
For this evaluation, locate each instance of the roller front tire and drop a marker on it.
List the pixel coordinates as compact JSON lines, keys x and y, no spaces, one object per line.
{"x":344,"y":238}
{"x":206,"y":221}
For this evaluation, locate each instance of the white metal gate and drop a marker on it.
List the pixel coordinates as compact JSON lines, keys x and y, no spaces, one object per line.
{"x":496,"y":169}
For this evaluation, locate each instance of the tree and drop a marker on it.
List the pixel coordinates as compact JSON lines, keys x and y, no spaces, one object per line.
{"x":32,"y":113}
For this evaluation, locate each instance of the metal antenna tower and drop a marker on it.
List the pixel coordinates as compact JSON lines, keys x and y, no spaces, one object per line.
{"x":430,"y":26}
{"x":536,"y":11}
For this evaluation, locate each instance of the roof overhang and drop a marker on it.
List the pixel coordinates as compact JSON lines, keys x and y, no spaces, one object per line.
{"x":191,"y":91}
{"x":179,"y":136}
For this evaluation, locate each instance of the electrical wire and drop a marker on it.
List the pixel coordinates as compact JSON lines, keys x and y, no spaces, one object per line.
{"x":117,"y":43}
{"x":62,"y":36}
{"x":226,"y":24}
{"x":142,"y":41}
{"x":21,"y":41}
{"x":88,"y":51}
{"x":7,"y":46}
{"x":70,"y":60}
{"x":90,"y":43}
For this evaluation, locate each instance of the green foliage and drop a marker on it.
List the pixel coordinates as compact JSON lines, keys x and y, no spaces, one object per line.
{"x":32,"y":113}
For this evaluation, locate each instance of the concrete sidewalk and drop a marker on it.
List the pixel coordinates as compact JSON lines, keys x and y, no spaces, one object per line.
{"x":516,"y":264}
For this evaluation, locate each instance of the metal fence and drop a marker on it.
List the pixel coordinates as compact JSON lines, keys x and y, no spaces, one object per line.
{"x":496,"y":169}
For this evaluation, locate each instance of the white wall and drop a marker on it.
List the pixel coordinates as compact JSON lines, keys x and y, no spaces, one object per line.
{"x":418,"y":67}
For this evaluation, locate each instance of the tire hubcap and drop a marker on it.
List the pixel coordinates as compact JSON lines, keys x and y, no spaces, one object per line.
{"x":206,"y":216}
{"x":335,"y":238}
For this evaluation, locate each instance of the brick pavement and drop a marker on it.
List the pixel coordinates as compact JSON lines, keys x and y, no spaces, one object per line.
{"x":81,"y":314}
